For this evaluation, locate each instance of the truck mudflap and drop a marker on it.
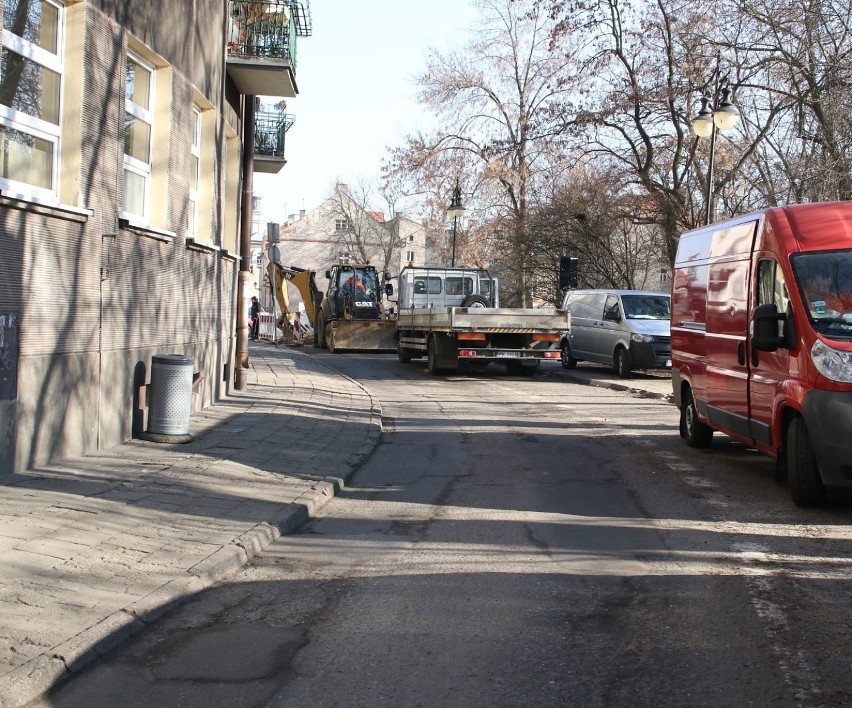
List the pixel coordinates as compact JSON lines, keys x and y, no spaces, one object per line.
{"x":361,"y":335}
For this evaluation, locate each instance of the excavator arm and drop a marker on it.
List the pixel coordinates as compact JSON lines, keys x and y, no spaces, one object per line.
{"x":305,"y":282}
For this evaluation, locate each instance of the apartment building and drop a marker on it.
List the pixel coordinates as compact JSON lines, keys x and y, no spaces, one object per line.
{"x":122,"y":169}
{"x":342,"y":227}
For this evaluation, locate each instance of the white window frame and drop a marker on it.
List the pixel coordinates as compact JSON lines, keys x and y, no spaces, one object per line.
{"x":195,"y":151}
{"x":25,"y":123}
{"x":131,"y":164}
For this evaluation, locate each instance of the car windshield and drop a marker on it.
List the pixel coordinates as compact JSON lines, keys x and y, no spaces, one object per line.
{"x":825,"y":281}
{"x":646,"y":307}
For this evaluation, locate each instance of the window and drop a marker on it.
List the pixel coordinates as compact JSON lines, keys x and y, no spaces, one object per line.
{"x":341,"y":224}
{"x":409,"y":257}
{"x":771,"y":288}
{"x":611,"y":311}
{"x":138,"y":126}
{"x":459,"y":286}
{"x":427,"y":285}
{"x":30,"y":89}
{"x":194,"y":172}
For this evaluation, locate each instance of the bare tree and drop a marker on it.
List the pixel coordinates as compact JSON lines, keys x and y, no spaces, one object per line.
{"x":361,"y":231}
{"x":591,"y":219}
{"x":502,"y":103}
{"x":789,"y":64}
{"x":799,"y":56}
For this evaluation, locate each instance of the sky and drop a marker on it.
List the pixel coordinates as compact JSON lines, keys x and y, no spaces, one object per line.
{"x":355,"y":76}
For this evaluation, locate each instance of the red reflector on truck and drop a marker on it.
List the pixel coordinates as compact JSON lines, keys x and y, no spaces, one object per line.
{"x":549,"y":337}
{"x":471,"y":336}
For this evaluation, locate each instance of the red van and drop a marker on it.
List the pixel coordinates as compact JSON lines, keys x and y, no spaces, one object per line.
{"x":762,"y":340}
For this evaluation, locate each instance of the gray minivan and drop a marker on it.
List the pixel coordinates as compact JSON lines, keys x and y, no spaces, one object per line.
{"x":628,"y":329}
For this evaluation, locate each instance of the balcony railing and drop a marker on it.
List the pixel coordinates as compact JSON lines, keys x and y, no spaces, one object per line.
{"x":262,"y":29}
{"x":302,"y":17}
{"x":270,"y":126}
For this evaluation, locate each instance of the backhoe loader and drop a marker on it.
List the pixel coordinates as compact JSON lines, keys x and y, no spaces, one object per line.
{"x":351,"y":316}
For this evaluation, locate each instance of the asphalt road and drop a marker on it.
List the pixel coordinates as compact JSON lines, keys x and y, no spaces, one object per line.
{"x":519,"y":542}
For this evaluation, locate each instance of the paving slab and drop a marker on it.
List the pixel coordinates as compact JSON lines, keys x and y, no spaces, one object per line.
{"x":93,"y":549}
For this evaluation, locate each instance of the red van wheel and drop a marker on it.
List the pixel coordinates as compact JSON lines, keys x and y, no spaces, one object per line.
{"x":806,"y":485}
{"x":696,"y":433}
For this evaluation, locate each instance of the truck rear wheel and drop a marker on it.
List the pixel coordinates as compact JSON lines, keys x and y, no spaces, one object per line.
{"x":432,"y":357}
{"x":806,"y":485}
{"x":521,"y":368}
{"x":696,"y":433}
{"x":403,"y":354}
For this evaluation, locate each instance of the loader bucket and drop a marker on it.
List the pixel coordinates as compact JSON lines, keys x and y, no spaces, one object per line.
{"x":362,"y":335}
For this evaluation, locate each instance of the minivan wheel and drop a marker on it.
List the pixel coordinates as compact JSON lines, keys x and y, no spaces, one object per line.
{"x":806,"y":485}
{"x":568,"y":361}
{"x":621,"y":363}
{"x":696,"y":433}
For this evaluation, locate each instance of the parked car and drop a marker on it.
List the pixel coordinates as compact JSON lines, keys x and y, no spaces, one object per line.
{"x":628,"y":329}
{"x":762,"y":340}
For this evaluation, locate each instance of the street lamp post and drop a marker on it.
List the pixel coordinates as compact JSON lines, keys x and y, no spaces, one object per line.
{"x":717,"y":113}
{"x":455,"y":210}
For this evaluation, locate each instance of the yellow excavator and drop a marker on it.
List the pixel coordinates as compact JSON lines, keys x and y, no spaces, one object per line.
{"x":351,"y":316}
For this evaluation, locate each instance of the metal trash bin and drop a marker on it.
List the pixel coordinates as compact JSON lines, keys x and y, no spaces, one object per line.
{"x":170,"y":404}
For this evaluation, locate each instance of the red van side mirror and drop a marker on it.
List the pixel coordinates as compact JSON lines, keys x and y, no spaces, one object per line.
{"x":765,"y":337}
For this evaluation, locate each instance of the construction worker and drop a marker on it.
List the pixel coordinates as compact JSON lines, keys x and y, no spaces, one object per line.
{"x":355,"y":286}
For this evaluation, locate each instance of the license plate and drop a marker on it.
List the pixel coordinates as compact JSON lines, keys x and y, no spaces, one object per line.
{"x":508,"y":355}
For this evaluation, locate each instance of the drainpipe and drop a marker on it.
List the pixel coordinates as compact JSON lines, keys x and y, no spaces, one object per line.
{"x":242,"y":362}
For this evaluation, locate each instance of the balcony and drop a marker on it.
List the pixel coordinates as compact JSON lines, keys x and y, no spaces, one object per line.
{"x":262,"y":45}
{"x":270,"y":127}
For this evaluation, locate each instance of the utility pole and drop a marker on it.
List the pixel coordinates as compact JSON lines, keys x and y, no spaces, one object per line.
{"x":242,"y":354}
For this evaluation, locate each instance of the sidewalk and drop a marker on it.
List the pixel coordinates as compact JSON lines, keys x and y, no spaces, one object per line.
{"x":93,"y":549}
